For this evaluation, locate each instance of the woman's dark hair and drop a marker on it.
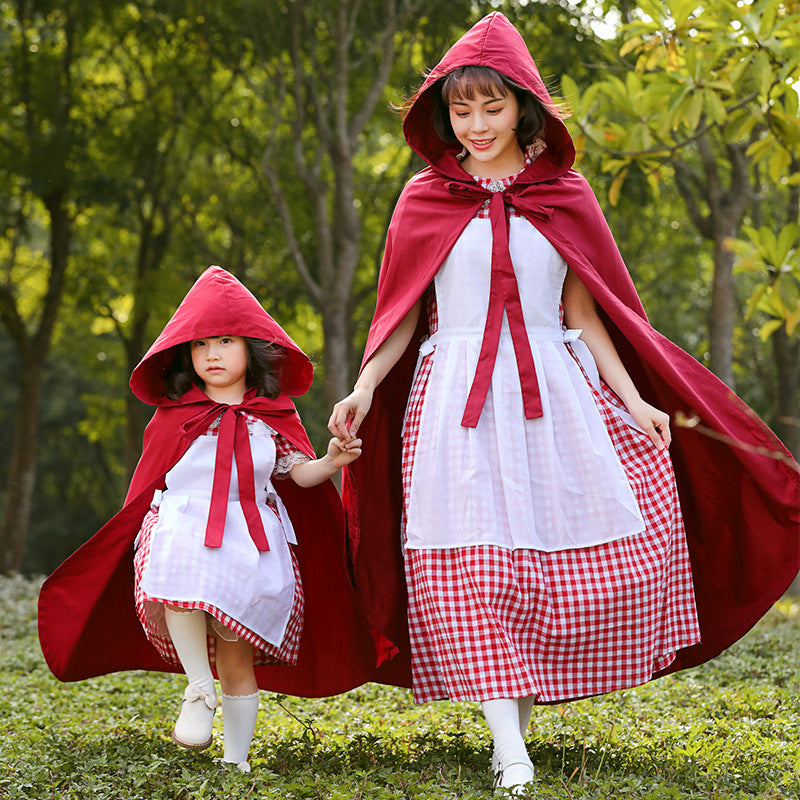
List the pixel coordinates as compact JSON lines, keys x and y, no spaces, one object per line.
{"x":264,"y":361}
{"x":466,"y":82}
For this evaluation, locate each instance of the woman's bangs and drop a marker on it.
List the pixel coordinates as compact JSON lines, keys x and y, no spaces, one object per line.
{"x":465,"y":82}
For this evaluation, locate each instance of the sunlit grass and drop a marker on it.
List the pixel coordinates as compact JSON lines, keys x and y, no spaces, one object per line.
{"x":726,"y":730}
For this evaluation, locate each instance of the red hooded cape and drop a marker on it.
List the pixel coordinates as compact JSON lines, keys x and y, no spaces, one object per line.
{"x":740,"y":504}
{"x":87,"y":619}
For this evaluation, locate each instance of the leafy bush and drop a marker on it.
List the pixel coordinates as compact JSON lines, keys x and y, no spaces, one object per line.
{"x":725,"y":731}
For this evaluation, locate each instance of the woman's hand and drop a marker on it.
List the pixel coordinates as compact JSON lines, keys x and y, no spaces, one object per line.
{"x":580,"y":311}
{"x":653,"y":422}
{"x":349,"y":412}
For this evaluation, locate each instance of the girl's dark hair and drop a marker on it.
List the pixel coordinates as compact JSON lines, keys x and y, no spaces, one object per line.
{"x":264,"y":366}
{"x":180,"y":376}
{"x":466,"y":82}
{"x":264,"y":361}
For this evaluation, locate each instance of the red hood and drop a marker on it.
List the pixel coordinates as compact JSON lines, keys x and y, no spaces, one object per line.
{"x":495,"y":43}
{"x":216,"y":305}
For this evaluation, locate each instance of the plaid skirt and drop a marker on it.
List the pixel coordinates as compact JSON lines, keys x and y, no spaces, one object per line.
{"x":486,"y":622}
{"x":150,"y":611}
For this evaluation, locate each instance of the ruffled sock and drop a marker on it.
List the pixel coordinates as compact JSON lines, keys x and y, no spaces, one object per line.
{"x":239,"y":723}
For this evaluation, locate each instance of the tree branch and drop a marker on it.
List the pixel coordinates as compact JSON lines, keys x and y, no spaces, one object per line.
{"x":387,"y":50}
{"x":670,"y":148}
{"x":15,"y":325}
{"x":713,"y":184}
{"x":288,"y":229}
{"x":684,"y":179}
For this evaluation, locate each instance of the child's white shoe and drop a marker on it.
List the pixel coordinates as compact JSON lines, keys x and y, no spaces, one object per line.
{"x":193,"y":728}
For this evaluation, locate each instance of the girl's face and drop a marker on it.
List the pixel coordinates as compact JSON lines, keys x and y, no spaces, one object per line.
{"x":486,"y":125}
{"x":221,"y":363}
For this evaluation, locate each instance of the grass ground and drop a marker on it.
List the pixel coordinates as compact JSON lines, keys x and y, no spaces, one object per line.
{"x":728,"y":730}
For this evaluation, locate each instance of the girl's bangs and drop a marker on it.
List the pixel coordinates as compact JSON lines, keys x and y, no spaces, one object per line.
{"x":465,"y":82}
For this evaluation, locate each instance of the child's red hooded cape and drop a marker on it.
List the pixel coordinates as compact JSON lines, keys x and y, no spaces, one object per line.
{"x":739,"y":493}
{"x":87,"y":619}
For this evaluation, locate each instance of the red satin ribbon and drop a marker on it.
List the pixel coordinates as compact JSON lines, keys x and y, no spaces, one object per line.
{"x":503,"y":295}
{"x":233,"y":441}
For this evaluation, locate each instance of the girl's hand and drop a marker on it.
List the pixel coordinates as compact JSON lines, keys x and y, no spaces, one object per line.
{"x":342,"y":453}
{"x":655,"y":423}
{"x":348,"y":413}
{"x":313,"y":473}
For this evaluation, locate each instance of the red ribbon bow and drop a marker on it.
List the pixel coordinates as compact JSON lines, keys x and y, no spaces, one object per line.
{"x":503,"y":295}
{"x":233,"y":441}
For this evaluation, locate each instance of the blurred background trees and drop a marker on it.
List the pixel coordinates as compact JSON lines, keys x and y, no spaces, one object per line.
{"x":142,"y":141}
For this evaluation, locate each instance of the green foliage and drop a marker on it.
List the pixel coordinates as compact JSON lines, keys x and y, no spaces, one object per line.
{"x":777,"y":256}
{"x":170,"y":110}
{"x":723,"y":731}
{"x":696,"y":85}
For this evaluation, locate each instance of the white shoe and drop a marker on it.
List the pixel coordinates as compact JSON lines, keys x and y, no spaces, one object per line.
{"x":193,"y":728}
{"x":514,"y":776}
{"x":242,"y":766}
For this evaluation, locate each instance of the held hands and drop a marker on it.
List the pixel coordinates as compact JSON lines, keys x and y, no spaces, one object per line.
{"x":653,"y":422}
{"x":344,"y":447}
{"x":339,"y":454}
{"x":343,"y":453}
{"x":348,"y":414}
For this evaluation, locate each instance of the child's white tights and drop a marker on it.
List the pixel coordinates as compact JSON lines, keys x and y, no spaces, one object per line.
{"x":188,"y":632}
{"x":506,"y":718}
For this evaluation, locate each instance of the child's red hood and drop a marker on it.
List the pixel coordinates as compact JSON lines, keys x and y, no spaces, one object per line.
{"x":218,"y":304}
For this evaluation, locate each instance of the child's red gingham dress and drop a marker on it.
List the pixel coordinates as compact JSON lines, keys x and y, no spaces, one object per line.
{"x":151,"y":610}
{"x":488,"y":621}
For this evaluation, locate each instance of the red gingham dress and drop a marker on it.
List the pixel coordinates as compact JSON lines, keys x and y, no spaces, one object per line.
{"x":490,"y":622}
{"x":150,"y":610}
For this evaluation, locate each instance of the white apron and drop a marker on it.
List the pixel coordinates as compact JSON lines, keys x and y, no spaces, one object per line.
{"x":551,"y":483}
{"x":255,"y":588}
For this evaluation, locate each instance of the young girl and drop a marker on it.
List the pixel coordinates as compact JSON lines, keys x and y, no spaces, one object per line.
{"x":543,"y":541}
{"x":217,"y":576}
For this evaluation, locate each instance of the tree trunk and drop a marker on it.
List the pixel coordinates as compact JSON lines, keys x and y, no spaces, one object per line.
{"x":786,"y":353}
{"x":722,"y":313}
{"x":726,"y":209}
{"x":33,"y":353}
{"x":336,"y":358}
{"x":22,"y":468}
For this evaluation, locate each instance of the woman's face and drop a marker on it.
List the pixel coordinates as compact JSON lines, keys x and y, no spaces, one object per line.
{"x":486,"y":125}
